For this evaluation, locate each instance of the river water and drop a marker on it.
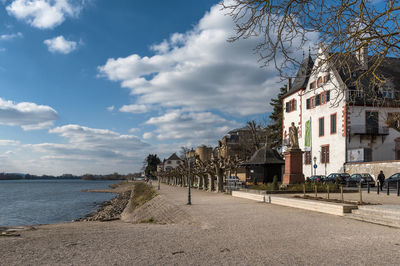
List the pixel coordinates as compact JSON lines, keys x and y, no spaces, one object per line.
{"x":33,"y":202}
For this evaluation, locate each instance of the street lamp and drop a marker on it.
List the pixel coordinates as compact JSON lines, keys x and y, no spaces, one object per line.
{"x":190,"y":156}
{"x":315,"y":164}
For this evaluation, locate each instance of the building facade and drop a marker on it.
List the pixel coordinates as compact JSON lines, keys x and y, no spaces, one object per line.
{"x":334,"y":126}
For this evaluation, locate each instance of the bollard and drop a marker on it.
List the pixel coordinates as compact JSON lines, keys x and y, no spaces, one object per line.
{"x":377,"y":188}
{"x":387,"y":191}
{"x":327,"y":189}
{"x":304,"y":190}
{"x":398,"y":188}
{"x":369,"y":187}
{"x":341,"y":193}
{"x":315,"y":185}
{"x":360,"y":191}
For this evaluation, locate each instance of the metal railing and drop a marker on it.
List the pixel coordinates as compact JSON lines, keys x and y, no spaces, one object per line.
{"x":368,"y":130}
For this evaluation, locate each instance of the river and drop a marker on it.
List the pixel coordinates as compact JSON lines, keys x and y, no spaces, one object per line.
{"x":33,"y":202}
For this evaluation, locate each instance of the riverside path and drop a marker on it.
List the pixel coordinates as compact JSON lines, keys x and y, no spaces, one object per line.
{"x":223,"y":230}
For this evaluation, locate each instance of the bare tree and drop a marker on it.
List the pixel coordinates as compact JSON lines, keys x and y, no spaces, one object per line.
{"x":347,"y":28}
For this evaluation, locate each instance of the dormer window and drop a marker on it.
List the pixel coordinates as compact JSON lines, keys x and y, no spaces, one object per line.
{"x":387,"y":94}
{"x":319,"y":81}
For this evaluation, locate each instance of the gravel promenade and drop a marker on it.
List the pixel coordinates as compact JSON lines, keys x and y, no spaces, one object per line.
{"x":222,"y":230}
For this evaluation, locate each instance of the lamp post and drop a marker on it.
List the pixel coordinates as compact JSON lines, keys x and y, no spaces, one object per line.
{"x":189,"y":155}
{"x":315,"y":164}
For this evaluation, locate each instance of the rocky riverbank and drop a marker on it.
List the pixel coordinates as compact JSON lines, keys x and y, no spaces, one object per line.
{"x":112,"y":209}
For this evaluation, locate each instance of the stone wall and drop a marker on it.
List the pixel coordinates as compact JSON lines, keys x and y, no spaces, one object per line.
{"x":388,"y":167}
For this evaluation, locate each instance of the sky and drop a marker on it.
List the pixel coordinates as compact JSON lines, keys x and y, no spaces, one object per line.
{"x":94,"y":86}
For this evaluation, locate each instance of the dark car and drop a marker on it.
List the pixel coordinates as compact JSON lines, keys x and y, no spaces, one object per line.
{"x":392,"y":180}
{"x":363,"y":179}
{"x":339,"y":178}
{"x":316,"y":178}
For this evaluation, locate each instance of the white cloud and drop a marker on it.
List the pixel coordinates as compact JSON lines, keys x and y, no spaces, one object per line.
{"x":44,"y":14}
{"x":60,"y":45}
{"x":27,"y":115}
{"x":110,"y":108}
{"x":101,"y":150}
{"x":7,"y":37}
{"x":199,"y":71}
{"x":134,"y":130}
{"x":147,"y":135}
{"x":7,"y":142}
{"x":196,"y":127}
{"x":135,"y":108}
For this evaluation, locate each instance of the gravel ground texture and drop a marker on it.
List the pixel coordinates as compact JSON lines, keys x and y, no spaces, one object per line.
{"x":222,"y":230}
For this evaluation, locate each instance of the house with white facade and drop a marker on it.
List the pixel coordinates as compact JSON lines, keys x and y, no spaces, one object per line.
{"x":168,"y":164}
{"x":336,"y":124}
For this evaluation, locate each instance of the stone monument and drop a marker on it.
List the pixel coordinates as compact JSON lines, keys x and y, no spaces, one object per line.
{"x":293,"y":159}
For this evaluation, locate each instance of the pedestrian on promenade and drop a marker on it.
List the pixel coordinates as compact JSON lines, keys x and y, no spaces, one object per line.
{"x":381,"y":178}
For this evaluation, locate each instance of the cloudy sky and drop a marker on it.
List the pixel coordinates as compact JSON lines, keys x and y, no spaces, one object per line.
{"x":92,"y":86}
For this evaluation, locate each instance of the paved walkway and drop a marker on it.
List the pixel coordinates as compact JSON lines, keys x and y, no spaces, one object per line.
{"x":226,"y":231}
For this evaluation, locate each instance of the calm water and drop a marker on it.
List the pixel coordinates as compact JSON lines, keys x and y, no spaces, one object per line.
{"x":30,"y":202}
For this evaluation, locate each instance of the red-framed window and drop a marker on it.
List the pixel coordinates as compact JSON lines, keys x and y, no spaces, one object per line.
{"x":333,"y":123}
{"x":321,"y":123}
{"x":291,"y":106}
{"x":325,"y":154}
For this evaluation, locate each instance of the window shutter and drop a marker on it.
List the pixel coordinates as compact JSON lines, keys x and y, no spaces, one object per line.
{"x":294,"y":105}
{"x":287,"y":107}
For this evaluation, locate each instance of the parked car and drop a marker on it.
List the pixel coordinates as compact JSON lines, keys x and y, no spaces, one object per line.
{"x":392,"y":180}
{"x":140,"y":178}
{"x":363,"y":179}
{"x":316,"y":178}
{"x":339,"y":178}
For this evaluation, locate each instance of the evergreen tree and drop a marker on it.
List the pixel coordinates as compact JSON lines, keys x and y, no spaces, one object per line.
{"x":274,"y":130}
{"x":152,"y":160}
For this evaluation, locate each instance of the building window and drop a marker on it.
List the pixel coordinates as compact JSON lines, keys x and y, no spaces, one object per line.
{"x":367,"y":155}
{"x":325,"y":154}
{"x":318,"y":100}
{"x":168,"y":162}
{"x":327,"y":78}
{"x":291,"y":106}
{"x":327,"y":96}
{"x":387,"y":94}
{"x":371,"y":122}
{"x":333,"y":123}
{"x":307,"y":157}
{"x":313,"y":85}
{"x":321,"y":126}
{"x":319,"y":81}
{"x":308,"y":103}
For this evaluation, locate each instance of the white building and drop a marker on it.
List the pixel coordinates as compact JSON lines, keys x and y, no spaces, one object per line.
{"x":172,"y":162}
{"x":342,"y":128}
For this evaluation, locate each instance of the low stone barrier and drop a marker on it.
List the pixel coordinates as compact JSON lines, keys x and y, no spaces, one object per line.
{"x":250,"y":196}
{"x":312,"y":205}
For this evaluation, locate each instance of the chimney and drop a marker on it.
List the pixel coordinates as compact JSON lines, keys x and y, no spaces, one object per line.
{"x":289,"y":84}
{"x":362,"y":56}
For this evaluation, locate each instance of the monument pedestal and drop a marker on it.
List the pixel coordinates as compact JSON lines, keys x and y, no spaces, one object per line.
{"x":293,"y":167}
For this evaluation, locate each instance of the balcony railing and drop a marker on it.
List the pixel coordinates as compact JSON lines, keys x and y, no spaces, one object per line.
{"x":368,"y":130}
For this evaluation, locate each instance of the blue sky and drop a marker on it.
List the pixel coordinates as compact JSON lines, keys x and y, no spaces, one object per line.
{"x":94,"y":86}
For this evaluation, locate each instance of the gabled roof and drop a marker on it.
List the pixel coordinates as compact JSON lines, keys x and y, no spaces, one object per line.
{"x":302,"y":76}
{"x":265,"y":155}
{"x":174,"y":157}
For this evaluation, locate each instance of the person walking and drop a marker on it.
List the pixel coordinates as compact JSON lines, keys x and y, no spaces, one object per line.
{"x":381,"y":178}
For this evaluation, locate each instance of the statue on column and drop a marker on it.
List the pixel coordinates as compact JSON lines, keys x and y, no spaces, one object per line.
{"x":293,"y":138}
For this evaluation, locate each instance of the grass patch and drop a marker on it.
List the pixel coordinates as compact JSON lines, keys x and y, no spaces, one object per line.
{"x":148,"y":221}
{"x":142,"y":193}
{"x":120,"y":183}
